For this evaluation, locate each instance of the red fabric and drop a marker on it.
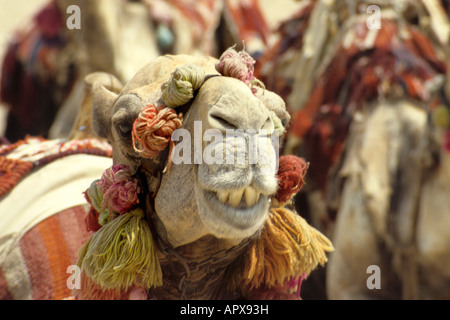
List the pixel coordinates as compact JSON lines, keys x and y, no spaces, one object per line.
{"x":92,"y":220}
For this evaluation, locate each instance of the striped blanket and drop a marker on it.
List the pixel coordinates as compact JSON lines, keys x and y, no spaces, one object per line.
{"x":35,"y":267}
{"x":42,"y":218}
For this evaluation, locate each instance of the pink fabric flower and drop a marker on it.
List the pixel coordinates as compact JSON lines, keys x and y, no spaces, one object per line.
{"x":236,"y":65}
{"x":121,"y":196}
{"x":115,"y":174}
{"x":250,"y":64}
{"x":120,"y":190}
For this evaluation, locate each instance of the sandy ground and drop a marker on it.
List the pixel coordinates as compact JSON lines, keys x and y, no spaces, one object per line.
{"x":16,"y":14}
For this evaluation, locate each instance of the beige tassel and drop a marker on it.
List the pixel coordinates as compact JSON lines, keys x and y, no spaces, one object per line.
{"x":179,"y":89}
{"x":287,"y":247}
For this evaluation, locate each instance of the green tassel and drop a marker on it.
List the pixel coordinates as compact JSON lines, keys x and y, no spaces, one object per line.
{"x":95,"y":195}
{"x":279,"y":128}
{"x":122,"y":254}
{"x":179,"y":89}
{"x":95,"y":199}
{"x":441,"y":117}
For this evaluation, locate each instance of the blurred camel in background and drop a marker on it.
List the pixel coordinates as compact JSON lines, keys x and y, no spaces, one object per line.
{"x":364,"y":82}
{"x":44,"y":66}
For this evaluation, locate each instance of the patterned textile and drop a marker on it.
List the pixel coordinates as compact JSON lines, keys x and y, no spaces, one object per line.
{"x":17,"y":160}
{"x":36,"y":266}
{"x":42,"y":209}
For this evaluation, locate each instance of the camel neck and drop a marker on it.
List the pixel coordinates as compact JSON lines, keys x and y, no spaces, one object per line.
{"x":199,"y":270}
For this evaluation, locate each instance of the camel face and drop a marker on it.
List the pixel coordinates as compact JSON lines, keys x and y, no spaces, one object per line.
{"x":224,"y":157}
{"x":229,"y":196}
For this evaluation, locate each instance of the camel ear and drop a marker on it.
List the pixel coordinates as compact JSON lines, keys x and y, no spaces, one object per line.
{"x":108,"y":80}
{"x":105,"y":91}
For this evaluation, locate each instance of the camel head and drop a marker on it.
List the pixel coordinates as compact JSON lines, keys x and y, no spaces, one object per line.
{"x":216,"y":175}
{"x":195,"y":150}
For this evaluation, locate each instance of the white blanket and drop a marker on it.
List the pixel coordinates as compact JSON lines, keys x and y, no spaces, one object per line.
{"x":53,"y":188}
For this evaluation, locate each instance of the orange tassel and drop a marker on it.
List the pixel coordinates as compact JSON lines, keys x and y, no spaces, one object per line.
{"x":153,"y":130}
{"x":287,"y":248}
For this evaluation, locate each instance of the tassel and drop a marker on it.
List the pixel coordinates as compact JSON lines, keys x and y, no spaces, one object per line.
{"x":291,"y":177}
{"x":179,"y":89}
{"x":288,"y":247}
{"x":239,"y":65}
{"x":121,"y":197}
{"x":153,"y":130}
{"x":279,"y":128}
{"x":236,"y":65}
{"x":94,"y":196}
{"x":122,"y":254}
{"x":97,"y":216}
{"x":441,"y":117}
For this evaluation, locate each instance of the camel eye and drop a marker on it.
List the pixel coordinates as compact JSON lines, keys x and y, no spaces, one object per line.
{"x":125,"y":129}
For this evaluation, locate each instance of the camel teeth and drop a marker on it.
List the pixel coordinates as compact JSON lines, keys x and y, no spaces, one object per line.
{"x":223,"y":196}
{"x":251,"y":196}
{"x":235,"y":197}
